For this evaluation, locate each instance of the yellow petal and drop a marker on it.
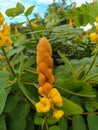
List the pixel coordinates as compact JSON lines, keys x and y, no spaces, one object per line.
{"x":58,"y":114}
{"x":43,"y":105}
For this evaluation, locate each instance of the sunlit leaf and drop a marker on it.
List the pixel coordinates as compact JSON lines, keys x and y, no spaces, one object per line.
{"x":29,"y":10}
{"x":69,"y":107}
{"x":12,"y":12}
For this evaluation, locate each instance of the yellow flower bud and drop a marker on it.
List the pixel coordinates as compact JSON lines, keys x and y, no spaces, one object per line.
{"x":43,"y":105}
{"x":1,"y":19}
{"x":8,"y":41}
{"x":6,"y":27}
{"x":2,"y":41}
{"x":4,"y":69}
{"x":6,"y":30}
{"x":55,"y":97}
{"x":97,"y":27}
{"x":16,"y":29}
{"x":94,"y":37}
{"x":33,"y":24}
{"x":58,"y":114}
{"x":1,"y":58}
{"x":97,"y":19}
{"x":70,"y":23}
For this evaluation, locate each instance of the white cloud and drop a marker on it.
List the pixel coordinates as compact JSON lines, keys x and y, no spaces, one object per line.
{"x":46,"y":1}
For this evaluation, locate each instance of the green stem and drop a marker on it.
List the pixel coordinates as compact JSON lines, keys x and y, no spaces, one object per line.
{"x":45,"y":122}
{"x":91,"y":65}
{"x":11,"y":69}
{"x":31,"y":27}
{"x":91,"y":77}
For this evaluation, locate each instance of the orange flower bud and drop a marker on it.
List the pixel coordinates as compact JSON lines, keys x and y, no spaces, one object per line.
{"x":47,"y":87}
{"x":44,"y":46}
{"x":42,"y":79}
{"x":49,"y":76}
{"x":42,"y":67}
{"x":44,"y":57}
{"x":51,"y":79}
{"x":41,"y":91}
{"x":49,"y":62}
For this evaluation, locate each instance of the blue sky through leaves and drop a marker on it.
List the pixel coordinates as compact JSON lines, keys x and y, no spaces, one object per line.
{"x":40,"y":7}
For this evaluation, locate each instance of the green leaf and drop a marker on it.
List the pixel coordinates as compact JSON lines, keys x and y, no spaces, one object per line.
{"x":54,"y":128}
{"x":21,"y":110}
{"x":70,"y":86}
{"x":78,"y":100}
{"x":4,"y":77}
{"x":21,"y":66}
{"x":71,"y":108}
{"x":27,"y":93}
{"x":85,"y":14}
{"x":67,"y":63}
{"x":78,"y":123}
{"x":80,"y":72}
{"x":92,"y":122}
{"x":2,"y":123}
{"x":63,"y":124}
{"x":30,"y":69}
{"x":62,"y":72}
{"x":16,"y":51}
{"x":29,"y":123}
{"x":29,"y":61}
{"x":38,"y":120}
{"x":11,"y":103}
{"x":92,"y":103}
{"x":29,"y":10}
{"x":20,"y":8}
{"x":12,"y":12}
{"x":80,"y":16}
{"x":89,"y":104}
{"x":17,"y":124}
{"x":51,"y":120}
{"x":3,"y":97}
{"x":17,"y":117}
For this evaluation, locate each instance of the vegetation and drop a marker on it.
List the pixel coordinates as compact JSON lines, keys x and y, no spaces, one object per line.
{"x":49,"y":69}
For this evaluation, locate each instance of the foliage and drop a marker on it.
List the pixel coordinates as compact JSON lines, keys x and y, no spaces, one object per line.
{"x":75,"y":69}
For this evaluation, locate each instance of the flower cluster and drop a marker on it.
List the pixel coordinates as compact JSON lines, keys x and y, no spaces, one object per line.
{"x":5,"y":39}
{"x":50,"y":97}
{"x":94,"y":35}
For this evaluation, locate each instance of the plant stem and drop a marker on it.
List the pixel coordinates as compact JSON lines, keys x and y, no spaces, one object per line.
{"x":31,"y":27}
{"x":11,"y":69}
{"x":91,"y":65}
{"x":45,"y":122}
